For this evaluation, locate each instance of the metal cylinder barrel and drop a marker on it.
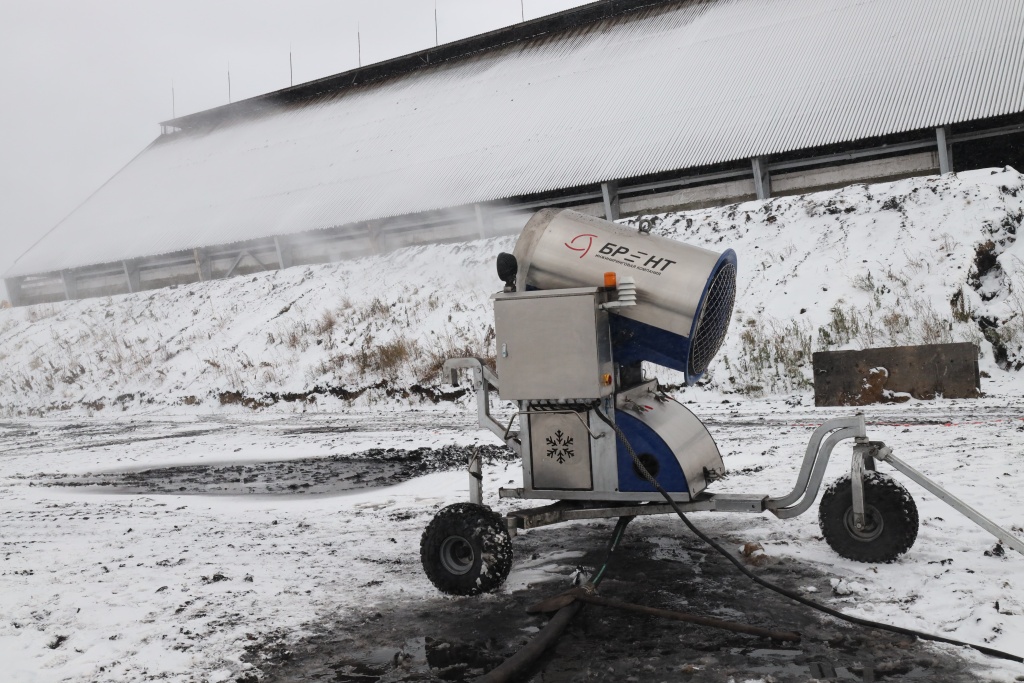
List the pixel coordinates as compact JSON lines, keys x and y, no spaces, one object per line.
{"x":685,"y":294}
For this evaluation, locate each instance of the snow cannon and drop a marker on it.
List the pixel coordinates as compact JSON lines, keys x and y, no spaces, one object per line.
{"x":585,"y":303}
{"x":684,"y":294}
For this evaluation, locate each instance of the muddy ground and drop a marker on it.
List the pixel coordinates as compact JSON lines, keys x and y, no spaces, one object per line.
{"x":374,"y":468}
{"x":658,"y":564}
{"x":457,"y":639}
{"x":438,"y":638}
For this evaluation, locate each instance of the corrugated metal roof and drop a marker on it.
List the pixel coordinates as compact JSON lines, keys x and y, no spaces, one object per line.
{"x":679,"y":85}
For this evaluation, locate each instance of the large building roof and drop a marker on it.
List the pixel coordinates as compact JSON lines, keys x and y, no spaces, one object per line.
{"x":626,"y":89}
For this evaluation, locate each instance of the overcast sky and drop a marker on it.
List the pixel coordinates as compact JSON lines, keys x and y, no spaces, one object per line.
{"x":85,"y":82}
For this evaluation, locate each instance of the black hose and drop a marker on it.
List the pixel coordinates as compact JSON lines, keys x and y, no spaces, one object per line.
{"x":514,"y":665}
{"x":778,"y":589}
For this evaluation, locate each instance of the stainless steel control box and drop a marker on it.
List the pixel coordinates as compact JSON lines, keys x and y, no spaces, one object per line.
{"x":553,"y":345}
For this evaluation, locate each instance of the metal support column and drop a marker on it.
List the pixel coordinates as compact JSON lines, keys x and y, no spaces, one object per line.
{"x":203,"y":266}
{"x":376,"y":237}
{"x":132,"y":276}
{"x":476,"y":478}
{"x":70,"y":284}
{"x":610,"y":195}
{"x":481,"y":223}
{"x":13,"y":285}
{"x":762,"y":178}
{"x":284,"y":252}
{"x":945,"y":154}
{"x":241,"y":257}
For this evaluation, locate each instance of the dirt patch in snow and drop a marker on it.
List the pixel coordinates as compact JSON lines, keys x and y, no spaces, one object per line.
{"x":442,"y":639}
{"x":321,"y":475}
{"x":267,"y":399}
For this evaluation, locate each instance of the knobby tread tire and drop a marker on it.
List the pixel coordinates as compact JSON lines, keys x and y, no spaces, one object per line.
{"x":887,"y":502}
{"x":485,"y":531}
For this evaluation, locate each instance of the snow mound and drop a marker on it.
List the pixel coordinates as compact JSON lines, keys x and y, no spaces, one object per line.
{"x":922,"y":260}
{"x":930,"y":259}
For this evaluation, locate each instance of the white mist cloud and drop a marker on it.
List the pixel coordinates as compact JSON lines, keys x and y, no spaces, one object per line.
{"x":85,"y":83}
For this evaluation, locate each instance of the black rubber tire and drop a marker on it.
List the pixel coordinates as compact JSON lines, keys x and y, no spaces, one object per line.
{"x":891,"y":513}
{"x":466,"y":550}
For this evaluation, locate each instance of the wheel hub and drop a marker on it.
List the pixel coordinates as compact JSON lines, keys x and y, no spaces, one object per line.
{"x":872,"y":528}
{"x":457,"y":555}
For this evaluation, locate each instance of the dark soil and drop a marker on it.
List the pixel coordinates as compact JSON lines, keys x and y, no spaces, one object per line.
{"x":320,"y":475}
{"x":445,"y":639}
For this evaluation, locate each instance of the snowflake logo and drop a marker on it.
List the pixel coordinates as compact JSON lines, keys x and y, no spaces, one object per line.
{"x":559,"y":447}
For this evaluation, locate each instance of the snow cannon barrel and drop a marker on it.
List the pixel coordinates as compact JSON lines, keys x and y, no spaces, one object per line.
{"x":685,"y":294}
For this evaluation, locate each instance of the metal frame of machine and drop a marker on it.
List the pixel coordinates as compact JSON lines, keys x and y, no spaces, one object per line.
{"x":823,"y":441}
{"x":570,"y":352}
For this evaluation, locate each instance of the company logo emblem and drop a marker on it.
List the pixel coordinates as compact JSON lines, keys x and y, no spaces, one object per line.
{"x":581,"y":243}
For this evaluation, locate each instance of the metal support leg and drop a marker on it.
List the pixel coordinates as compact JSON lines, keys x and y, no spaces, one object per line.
{"x":816,"y":458}
{"x":862,"y":462}
{"x":476,"y":478}
{"x":483,"y":381}
{"x":817,"y":473}
{"x":885,"y":455}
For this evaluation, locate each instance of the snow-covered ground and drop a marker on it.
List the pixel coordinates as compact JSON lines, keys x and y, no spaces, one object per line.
{"x":109,"y":583}
{"x":140,"y":538}
{"x":148,"y":586}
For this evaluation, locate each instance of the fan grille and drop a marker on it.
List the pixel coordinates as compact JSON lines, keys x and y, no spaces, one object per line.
{"x":714,"y":319}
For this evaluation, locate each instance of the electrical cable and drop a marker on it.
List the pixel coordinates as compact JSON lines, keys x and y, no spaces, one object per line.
{"x":778,"y":589}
